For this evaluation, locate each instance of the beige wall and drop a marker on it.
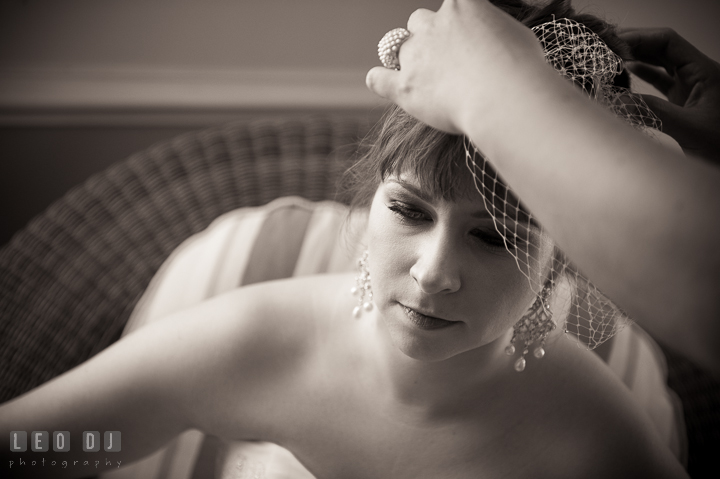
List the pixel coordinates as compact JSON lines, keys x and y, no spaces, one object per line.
{"x":696,"y":20}
{"x":83,"y":83}
{"x":199,"y":33}
{"x":96,"y":57}
{"x":196,"y":54}
{"x":260,"y":33}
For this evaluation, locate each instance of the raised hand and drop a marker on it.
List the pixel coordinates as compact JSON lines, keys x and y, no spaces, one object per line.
{"x":689,"y":79}
{"x":460,"y":62}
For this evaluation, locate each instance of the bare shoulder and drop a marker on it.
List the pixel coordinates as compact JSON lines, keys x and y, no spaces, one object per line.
{"x":286,"y":314}
{"x":252,"y":342}
{"x":262,"y":318}
{"x":594,"y":427}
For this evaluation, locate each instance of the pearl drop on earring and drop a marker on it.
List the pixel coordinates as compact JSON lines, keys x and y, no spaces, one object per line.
{"x":535,"y":325}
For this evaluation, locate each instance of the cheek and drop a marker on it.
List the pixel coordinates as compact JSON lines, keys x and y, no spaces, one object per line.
{"x":515,"y":293}
{"x":390,"y":252}
{"x":499,"y":299}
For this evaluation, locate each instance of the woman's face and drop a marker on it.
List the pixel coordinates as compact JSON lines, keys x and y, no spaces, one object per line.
{"x":442,"y":279}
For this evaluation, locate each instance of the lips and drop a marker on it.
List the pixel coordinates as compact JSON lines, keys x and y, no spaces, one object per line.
{"x":424,"y":321}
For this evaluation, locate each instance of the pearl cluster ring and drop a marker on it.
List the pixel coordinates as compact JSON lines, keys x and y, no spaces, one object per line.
{"x":389,"y":47}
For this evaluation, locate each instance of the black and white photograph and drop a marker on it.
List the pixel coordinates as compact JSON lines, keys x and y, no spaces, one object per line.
{"x":334,"y":239}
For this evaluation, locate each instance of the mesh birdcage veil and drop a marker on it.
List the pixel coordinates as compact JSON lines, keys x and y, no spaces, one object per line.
{"x":581,"y":56}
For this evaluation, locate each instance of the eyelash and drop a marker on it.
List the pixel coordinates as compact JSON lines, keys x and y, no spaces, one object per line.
{"x":411,"y":216}
{"x":407,"y":213}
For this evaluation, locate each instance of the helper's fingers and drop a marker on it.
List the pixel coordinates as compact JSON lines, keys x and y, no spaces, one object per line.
{"x":383,"y":82}
{"x":671,"y":115}
{"x":660,"y":46}
{"x":655,"y":76}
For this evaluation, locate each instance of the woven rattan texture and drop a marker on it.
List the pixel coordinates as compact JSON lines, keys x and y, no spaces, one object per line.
{"x":70,"y":279}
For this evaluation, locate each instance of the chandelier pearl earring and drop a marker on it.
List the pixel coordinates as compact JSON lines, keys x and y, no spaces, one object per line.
{"x":362,"y":287}
{"x":535,"y":325}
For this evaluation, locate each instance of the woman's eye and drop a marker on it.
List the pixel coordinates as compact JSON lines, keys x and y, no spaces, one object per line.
{"x":406,"y":212}
{"x":494,"y":239}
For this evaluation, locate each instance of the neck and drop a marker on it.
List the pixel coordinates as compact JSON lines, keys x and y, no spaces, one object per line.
{"x":437,"y":387}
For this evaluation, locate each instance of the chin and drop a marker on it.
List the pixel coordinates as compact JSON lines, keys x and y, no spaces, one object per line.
{"x":422,"y":347}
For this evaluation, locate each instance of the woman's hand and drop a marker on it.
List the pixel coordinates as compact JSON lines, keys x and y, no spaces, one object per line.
{"x":689,"y":79}
{"x":467,"y":59}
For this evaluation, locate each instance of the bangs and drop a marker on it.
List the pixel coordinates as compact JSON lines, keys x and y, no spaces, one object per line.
{"x":401,"y":146}
{"x":434,"y":160}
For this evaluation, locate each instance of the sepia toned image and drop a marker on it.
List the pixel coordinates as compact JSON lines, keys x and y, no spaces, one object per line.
{"x":330,"y":239}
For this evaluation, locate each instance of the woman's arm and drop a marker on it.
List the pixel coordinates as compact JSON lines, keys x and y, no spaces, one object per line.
{"x":149,"y":386}
{"x":639,"y":220}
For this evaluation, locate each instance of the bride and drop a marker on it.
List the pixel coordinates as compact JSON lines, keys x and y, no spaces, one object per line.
{"x":412,"y":376}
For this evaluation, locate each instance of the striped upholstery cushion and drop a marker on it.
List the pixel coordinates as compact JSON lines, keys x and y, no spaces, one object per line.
{"x":288,"y":237}
{"x":295,"y":237}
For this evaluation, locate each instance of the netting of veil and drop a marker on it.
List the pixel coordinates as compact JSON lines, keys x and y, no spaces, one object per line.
{"x":581,"y":56}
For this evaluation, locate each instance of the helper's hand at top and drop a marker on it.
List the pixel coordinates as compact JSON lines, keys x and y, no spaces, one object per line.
{"x":460,"y":65}
{"x":689,"y":79}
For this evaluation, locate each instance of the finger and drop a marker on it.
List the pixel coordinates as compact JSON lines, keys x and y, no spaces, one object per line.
{"x":655,"y":76}
{"x":660,"y":46}
{"x":626,"y":30}
{"x":448,"y":4}
{"x":671,"y":116}
{"x":461,"y":5}
{"x":383,"y":82}
{"x":419,"y":19}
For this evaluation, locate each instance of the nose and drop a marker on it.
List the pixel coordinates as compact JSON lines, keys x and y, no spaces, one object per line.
{"x":437,"y":268}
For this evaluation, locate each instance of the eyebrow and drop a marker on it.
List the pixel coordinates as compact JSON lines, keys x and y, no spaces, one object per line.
{"x":415,"y":189}
{"x":412,"y":188}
